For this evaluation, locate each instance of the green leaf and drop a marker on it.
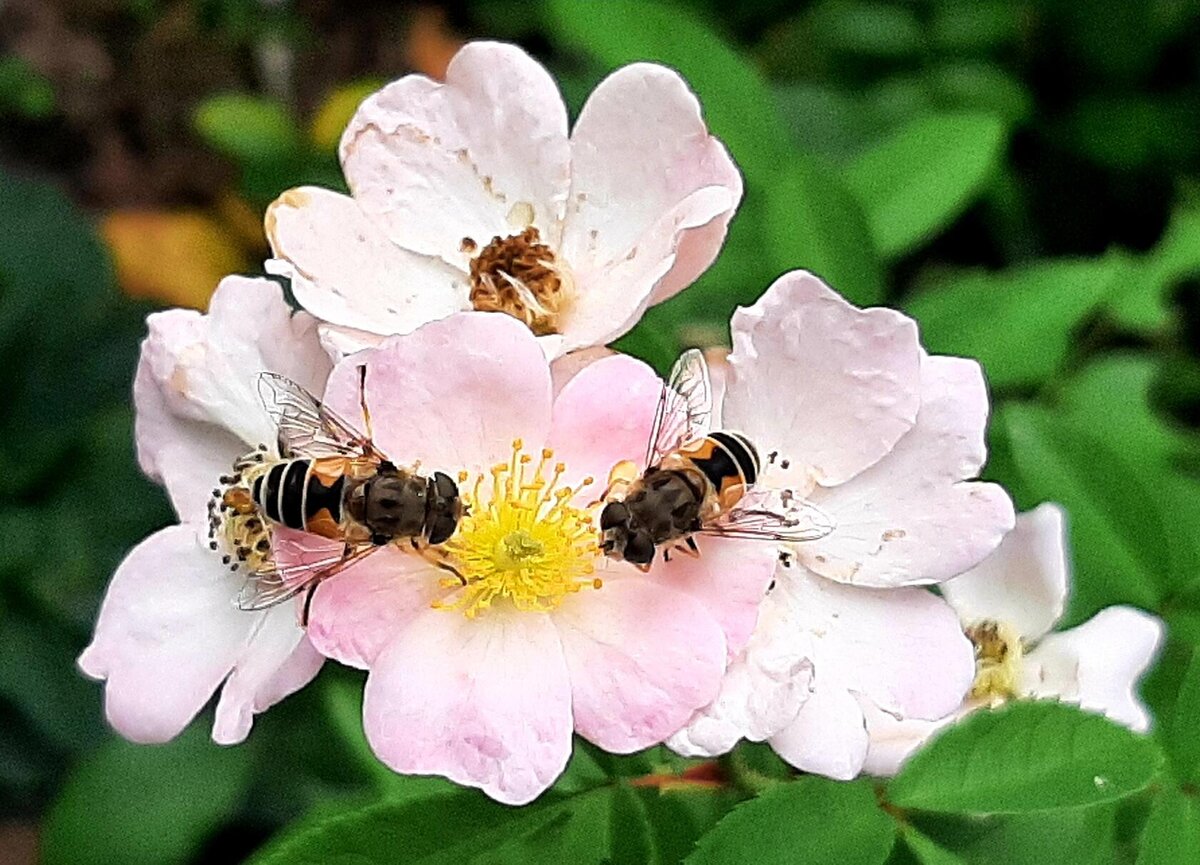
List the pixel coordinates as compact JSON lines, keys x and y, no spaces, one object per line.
{"x":1121,"y":549}
{"x":975,"y":26}
{"x":467,"y":827}
{"x":1183,"y":743}
{"x":918,"y":180}
{"x":1018,"y":323}
{"x":866,"y":28}
{"x":23,"y":90}
{"x":629,"y":836}
{"x":137,"y":804}
{"x":926,"y":851}
{"x":1023,"y":839}
{"x":681,"y":815}
{"x":737,"y":103}
{"x":824,"y":821}
{"x":1028,"y":756}
{"x":814,"y":223}
{"x":1142,"y":301}
{"x":248,"y":129}
{"x":1172,"y":834}
{"x":981,"y":87}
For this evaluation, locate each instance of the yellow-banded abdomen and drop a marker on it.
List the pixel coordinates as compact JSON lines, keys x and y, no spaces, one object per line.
{"x":304,"y":494}
{"x":728,"y":459}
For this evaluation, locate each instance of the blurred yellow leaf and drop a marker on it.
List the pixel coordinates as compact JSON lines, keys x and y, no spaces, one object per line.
{"x":172,"y":257}
{"x":244,"y":222}
{"x":335,"y":112}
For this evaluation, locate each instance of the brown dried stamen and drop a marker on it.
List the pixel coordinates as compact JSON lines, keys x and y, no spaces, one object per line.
{"x":517,"y":275}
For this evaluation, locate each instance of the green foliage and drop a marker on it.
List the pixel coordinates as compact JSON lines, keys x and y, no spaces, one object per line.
{"x":246,"y":128}
{"x":1017,"y":323}
{"x":916,"y":181}
{"x":1172,"y":834}
{"x":137,"y":804}
{"x":23,"y":91}
{"x":1032,"y":756}
{"x":831,"y":822}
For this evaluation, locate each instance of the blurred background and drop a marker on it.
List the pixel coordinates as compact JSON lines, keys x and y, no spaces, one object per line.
{"x":1022,"y":177}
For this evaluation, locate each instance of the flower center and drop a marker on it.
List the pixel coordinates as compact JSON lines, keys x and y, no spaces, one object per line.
{"x":998,"y":654}
{"x":522,"y":541}
{"x":519,"y":275}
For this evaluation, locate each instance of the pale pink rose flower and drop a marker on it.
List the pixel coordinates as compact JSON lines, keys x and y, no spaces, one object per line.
{"x":169,"y":633}
{"x":884,"y":438}
{"x":1010,"y":604}
{"x":470,"y":194}
{"x":484,"y":684}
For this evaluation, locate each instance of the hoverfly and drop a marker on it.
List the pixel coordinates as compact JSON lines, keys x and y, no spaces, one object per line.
{"x":329,"y":480}
{"x":696,"y":480}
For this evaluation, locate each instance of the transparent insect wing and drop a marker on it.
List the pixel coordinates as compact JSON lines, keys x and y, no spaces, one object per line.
{"x":272,"y":583}
{"x":685,"y":407}
{"x":306,"y":426}
{"x":778,"y":515}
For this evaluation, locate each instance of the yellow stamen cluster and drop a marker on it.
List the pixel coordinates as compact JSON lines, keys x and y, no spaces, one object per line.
{"x":523,"y":542}
{"x":998,"y":654}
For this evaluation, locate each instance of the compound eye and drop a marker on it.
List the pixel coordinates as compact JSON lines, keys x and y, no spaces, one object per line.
{"x":639,"y":549}
{"x":441,"y":529}
{"x":444,"y":486}
{"x":614,"y":514}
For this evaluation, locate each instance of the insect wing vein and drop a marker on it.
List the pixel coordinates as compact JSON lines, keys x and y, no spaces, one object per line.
{"x":684,"y":408}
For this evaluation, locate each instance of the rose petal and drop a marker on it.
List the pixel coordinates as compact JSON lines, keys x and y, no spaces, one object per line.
{"x":437,"y":163}
{"x":1098,"y":664}
{"x":565,"y":368}
{"x":167,"y":635}
{"x":453,"y":394}
{"x":831,"y":386}
{"x":639,"y":148}
{"x":762,"y":691}
{"x":730,"y":577}
{"x":485,"y":702}
{"x":344,"y":269}
{"x":902,"y":648}
{"x":195,"y":392}
{"x":1023,"y":583}
{"x":612,"y":293}
{"x":828,"y":736}
{"x":642,"y":658}
{"x":278,"y":661}
{"x":908,"y":519}
{"x":356,"y":613}
{"x":893,"y":741}
{"x":603,"y":416}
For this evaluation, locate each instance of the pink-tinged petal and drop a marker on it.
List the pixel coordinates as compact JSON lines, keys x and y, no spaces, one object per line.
{"x":195,"y":391}
{"x":830,"y":386}
{"x":186,"y":457}
{"x":346,"y":271}
{"x":910,"y":518}
{"x":612,"y":293}
{"x":453,"y":394}
{"x":1098,"y":664}
{"x":904,"y":649}
{"x":341,"y":341}
{"x":485,"y":702}
{"x":828,"y":736}
{"x":356,"y":613}
{"x":278,"y":661}
{"x":565,"y":368}
{"x":763,"y":689}
{"x":168,"y":633}
{"x":639,"y":148}
{"x":730,"y":577}
{"x":642,"y":658}
{"x":437,"y":163}
{"x":1024,"y":582}
{"x":893,"y":741}
{"x":603,"y":416}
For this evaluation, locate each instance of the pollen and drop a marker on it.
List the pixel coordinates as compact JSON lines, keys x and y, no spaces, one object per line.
{"x":519,"y":275}
{"x":523,"y":543}
{"x":998,"y":654}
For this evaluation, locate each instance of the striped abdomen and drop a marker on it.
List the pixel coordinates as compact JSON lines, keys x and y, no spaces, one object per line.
{"x":727,"y":459}
{"x":303,"y":494}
